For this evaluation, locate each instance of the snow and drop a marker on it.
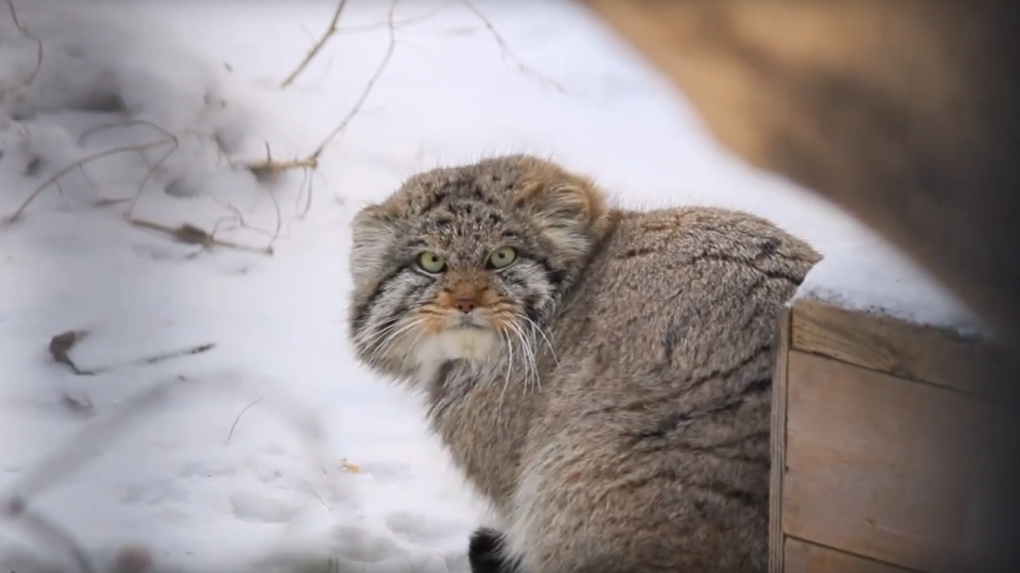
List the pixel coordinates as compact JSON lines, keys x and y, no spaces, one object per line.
{"x":881,"y":280}
{"x":273,"y":448}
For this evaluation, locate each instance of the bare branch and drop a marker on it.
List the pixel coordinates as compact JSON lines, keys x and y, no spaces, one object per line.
{"x":38,"y":43}
{"x":507,"y":52}
{"x":192,"y":235}
{"x":238,"y":219}
{"x":56,"y":176}
{"x":84,"y":135}
{"x":409,"y":20}
{"x":152,"y":171}
{"x":233,"y":426}
{"x":317,"y":47}
{"x":308,"y":186}
{"x":269,"y":169}
{"x":191,"y":351}
{"x":383,"y":64}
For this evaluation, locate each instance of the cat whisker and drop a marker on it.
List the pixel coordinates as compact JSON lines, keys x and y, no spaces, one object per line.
{"x":376,"y":336}
{"x":533,"y":328}
{"x":391,"y":335}
{"x":530,"y":364}
{"x":505,"y":337}
{"x":545,"y":337}
{"x":379,"y":338}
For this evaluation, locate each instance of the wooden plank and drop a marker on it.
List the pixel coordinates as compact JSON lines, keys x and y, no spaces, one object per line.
{"x":910,"y":474}
{"x":906,"y":350}
{"x":804,"y":557}
{"x":778,"y":443}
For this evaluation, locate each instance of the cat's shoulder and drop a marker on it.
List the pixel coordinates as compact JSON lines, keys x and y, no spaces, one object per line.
{"x":689,"y":230}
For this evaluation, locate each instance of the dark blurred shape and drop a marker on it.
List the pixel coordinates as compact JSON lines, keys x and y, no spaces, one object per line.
{"x":904,"y":112}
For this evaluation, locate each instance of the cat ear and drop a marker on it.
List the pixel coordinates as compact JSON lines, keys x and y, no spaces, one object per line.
{"x":569,"y":214}
{"x":375,"y":231}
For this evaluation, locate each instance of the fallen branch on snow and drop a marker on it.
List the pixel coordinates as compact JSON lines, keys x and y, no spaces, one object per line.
{"x":55,"y":178}
{"x":192,"y":235}
{"x":230,"y":434}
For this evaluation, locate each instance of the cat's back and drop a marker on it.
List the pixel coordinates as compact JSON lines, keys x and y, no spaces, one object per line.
{"x":678,"y":294}
{"x":655,"y":422}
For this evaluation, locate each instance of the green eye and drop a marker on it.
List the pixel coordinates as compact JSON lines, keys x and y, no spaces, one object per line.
{"x":431,"y":262}
{"x":502,"y":257}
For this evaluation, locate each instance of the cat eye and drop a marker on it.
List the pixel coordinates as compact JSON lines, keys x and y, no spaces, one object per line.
{"x":431,"y":262}
{"x":502,"y":258}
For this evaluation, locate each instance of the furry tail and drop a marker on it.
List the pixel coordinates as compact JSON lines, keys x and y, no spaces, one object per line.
{"x":486,"y":553}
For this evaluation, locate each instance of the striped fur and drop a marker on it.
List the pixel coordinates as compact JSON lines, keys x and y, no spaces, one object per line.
{"x":611,"y":394}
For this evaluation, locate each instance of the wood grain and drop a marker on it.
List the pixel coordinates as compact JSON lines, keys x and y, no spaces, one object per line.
{"x":903,"y":112}
{"x":778,"y":443}
{"x":804,"y":557}
{"x":896,"y":471}
{"x":906,"y":350}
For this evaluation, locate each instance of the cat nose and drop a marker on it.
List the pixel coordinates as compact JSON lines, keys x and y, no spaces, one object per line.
{"x":465,"y":305}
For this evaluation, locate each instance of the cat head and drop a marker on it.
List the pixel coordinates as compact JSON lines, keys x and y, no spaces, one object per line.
{"x":462,"y":263}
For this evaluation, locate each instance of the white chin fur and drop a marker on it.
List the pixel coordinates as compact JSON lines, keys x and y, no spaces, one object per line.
{"x":475,"y":344}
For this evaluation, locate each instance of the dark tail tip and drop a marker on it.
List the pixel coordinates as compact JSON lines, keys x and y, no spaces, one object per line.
{"x":485,"y":552}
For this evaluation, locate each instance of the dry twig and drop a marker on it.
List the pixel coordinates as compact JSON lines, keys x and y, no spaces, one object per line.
{"x":13,"y":217}
{"x":60,"y":347}
{"x":201,"y":348}
{"x":237,"y":220}
{"x":369,"y":86}
{"x":409,"y":20}
{"x":508,"y":54}
{"x":317,"y":46}
{"x":185,"y":233}
{"x":153,"y":169}
{"x":244,"y":411}
{"x":192,"y":235}
{"x":38,"y":43}
{"x":270,"y":170}
{"x":86,"y":134}
{"x":148,"y":176}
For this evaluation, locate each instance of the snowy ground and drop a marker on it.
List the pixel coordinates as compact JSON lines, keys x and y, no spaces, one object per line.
{"x":198,"y":485}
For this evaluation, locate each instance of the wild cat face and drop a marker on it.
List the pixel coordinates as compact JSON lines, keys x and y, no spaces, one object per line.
{"x":468,"y":263}
{"x":467,"y":277}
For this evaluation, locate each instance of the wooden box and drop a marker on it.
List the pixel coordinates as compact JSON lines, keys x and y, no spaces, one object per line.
{"x":891,"y":446}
